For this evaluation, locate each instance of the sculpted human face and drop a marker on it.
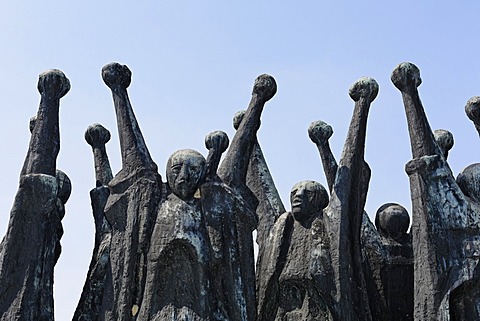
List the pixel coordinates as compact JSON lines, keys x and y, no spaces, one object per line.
{"x":185,"y":170}
{"x":307,"y":198}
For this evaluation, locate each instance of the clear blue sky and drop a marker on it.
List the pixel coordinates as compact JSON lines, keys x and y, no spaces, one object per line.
{"x":193,"y":67}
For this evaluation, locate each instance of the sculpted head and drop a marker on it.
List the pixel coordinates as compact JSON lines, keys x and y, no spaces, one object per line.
{"x":392,"y":220}
{"x":185,"y":172}
{"x":469,"y":181}
{"x":444,"y":140}
{"x":307,"y":198}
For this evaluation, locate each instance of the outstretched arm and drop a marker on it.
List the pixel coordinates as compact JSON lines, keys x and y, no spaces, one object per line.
{"x":135,"y":154}
{"x":319,"y":132}
{"x":216,"y":143}
{"x":406,"y":77}
{"x":260,"y":182}
{"x":45,"y":139}
{"x":97,"y":136}
{"x":346,"y":209}
{"x":233,"y":170}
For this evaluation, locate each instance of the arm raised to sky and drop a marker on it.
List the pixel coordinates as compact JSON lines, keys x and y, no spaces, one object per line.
{"x":45,"y":139}
{"x":320,"y":132}
{"x":135,"y":154}
{"x":97,"y":136}
{"x":444,"y":222}
{"x":132,"y":206}
{"x":216,"y":142}
{"x":406,"y":77}
{"x":30,"y":248}
{"x":97,"y":282}
{"x":346,"y":206}
{"x":233,"y":170}
{"x":260,"y":182}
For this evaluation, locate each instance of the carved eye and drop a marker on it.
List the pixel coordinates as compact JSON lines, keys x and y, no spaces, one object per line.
{"x":293,"y":192}
{"x":176,"y":168}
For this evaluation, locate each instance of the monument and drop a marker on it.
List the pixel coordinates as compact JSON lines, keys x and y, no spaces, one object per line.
{"x":184,"y":249}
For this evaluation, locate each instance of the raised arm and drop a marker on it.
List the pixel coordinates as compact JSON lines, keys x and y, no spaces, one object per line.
{"x":97,"y":136}
{"x":132,"y":207}
{"x":135,"y":155}
{"x":441,"y":214}
{"x":45,"y":139}
{"x":233,"y":170}
{"x":345,"y":210}
{"x":216,"y":143}
{"x":31,"y":247}
{"x":406,"y":77}
{"x":320,"y":132}
{"x":260,"y":182}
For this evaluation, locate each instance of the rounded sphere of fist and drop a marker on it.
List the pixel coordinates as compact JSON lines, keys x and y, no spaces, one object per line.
{"x":319,"y":131}
{"x":365,"y":87}
{"x":217,"y":140}
{"x":237,"y":118}
{"x":53,"y":83}
{"x":265,"y":86}
{"x":97,"y":135}
{"x":444,"y":139}
{"x":406,"y":74}
{"x":116,"y":75}
{"x":472,"y":109}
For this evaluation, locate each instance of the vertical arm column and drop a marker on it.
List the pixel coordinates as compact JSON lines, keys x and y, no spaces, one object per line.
{"x":97,"y":136}
{"x":319,"y":132}
{"x":233,"y":170}
{"x":216,"y":143}
{"x":45,"y":139}
{"x":132,"y":144}
{"x":345,"y":210}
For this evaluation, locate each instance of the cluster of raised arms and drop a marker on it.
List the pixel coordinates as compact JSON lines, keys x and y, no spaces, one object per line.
{"x":183,"y":249}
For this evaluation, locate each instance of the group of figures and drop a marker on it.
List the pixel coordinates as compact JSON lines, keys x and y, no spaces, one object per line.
{"x":183,"y":250}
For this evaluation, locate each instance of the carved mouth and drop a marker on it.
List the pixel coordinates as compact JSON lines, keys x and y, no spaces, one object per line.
{"x":297,"y":202}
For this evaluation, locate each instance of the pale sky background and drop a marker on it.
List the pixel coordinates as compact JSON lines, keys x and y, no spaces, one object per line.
{"x":194,"y":64}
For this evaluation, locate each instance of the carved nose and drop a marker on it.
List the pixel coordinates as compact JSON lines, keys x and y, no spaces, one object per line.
{"x":183,"y":176}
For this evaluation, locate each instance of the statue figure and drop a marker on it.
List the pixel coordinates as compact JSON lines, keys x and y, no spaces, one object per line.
{"x":388,"y":256}
{"x":177,"y":283}
{"x":132,"y":206}
{"x":344,"y":212}
{"x":445,"y":225}
{"x":31,"y":246}
{"x":231,"y":225}
{"x":336,"y":287}
{"x":98,"y":285}
{"x":175,"y":248}
{"x":270,"y":206}
{"x":386,"y":250}
{"x":296,"y":274}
